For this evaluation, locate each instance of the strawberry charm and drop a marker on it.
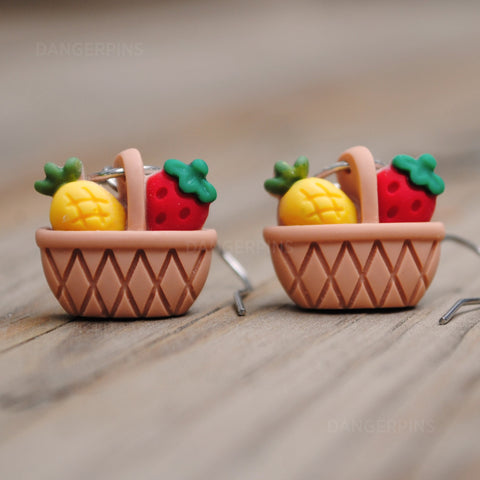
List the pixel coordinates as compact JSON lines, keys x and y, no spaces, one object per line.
{"x":408,"y":189}
{"x":179,"y":196}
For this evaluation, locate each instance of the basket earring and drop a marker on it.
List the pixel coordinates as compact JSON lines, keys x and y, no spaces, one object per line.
{"x":367,"y":244}
{"x":95,"y":269}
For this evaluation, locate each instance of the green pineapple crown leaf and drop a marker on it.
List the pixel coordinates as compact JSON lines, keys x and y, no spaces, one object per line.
{"x":56,"y":176}
{"x":420,"y":172}
{"x":286,"y":175}
{"x":191,"y":178}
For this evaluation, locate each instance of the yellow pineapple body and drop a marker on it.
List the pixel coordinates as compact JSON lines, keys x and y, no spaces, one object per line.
{"x":84,"y":205}
{"x":314,"y":201}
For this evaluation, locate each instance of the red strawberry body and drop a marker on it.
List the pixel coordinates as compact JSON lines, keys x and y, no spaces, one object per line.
{"x":168,"y":208}
{"x":399,"y":200}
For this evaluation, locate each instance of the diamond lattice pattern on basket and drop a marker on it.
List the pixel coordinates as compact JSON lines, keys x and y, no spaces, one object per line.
{"x":361,"y":274}
{"x":136,"y":284}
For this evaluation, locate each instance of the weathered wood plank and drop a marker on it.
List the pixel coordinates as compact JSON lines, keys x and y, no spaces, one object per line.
{"x":292,"y":377}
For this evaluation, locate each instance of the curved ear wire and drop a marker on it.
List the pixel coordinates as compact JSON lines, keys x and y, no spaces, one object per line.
{"x":463,"y":241}
{"x":444,"y":319}
{"x":241,"y":273}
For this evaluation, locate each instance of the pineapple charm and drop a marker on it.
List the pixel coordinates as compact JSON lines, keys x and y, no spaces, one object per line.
{"x":308,"y":200}
{"x":79,"y":204}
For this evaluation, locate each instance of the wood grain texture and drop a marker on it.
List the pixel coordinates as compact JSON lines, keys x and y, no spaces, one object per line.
{"x":280,"y":393}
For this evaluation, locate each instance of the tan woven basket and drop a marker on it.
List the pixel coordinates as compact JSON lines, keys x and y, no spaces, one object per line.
{"x":364,"y":265}
{"x":127,"y":274}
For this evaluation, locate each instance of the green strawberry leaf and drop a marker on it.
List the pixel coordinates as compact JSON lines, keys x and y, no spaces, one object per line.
{"x":191,"y":178}
{"x":420,"y":172}
{"x":56,"y":176}
{"x":286,"y":175}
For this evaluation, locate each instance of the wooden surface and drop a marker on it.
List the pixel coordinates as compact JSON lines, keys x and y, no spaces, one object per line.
{"x":280,"y":393}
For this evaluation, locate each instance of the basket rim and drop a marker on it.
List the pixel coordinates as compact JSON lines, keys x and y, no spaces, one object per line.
{"x":127,"y":239}
{"x":354,"y":231}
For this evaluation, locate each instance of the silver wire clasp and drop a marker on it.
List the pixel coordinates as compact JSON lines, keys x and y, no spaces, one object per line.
{"x":109,"y":175}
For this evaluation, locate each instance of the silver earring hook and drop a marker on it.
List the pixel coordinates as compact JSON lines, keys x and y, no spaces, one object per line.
{"x":444,"y":319}
{"x":108,"y":173}
{"x":241,"y":273}
{"x":463,"y":241}
{"x":340,"y":166}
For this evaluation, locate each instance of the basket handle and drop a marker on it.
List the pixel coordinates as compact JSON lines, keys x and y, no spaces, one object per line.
{"x":132,"y":186}
{"x":360,"y":182}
